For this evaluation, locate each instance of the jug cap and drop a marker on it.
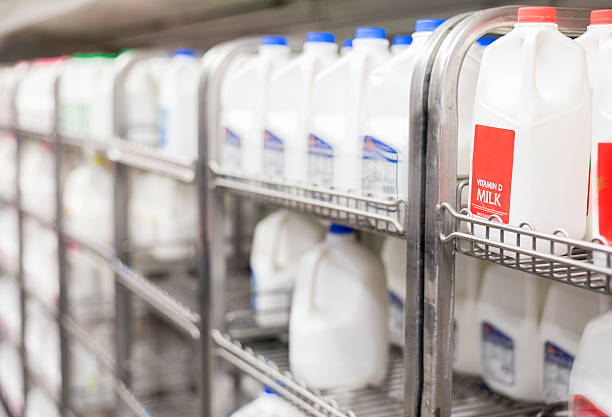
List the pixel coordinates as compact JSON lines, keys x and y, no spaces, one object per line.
{"x":427,"y":25}
{"x":347,"y":43}
{"x":486,"y":40}
{"x":273,"y":40}
{"x":269,"y":390}
{"x":370,"y":32}
{"x":402,"y":40}
{"x":184,"y":52}
{"x":601,"y":17}
{"x":537,"y":15}
{"x":339,"y":229}
{"x":326,"y":37}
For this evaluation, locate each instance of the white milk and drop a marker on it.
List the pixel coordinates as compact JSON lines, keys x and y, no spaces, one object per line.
{"x":279,"y":241}
{"x":9,"y":79}
{"x":347,"y":46}
{"x":178,"y":104}
{"x":285,"y":153}
{"x":384,"y":128}
{"x":394,"y":255}
{"x":40,"y":404}
{"x":244,"y":100}
{"x":338,"y":334}
{"x":268,"y":404}
{"x":40,"y":263}
{"x":597,"y":43}
{"x":400,"y":43}
{"x":141,"y":97}
{"x":567,"y":310}
{"x":334,"y":148}
{"x":591,"y":378}
{"x":510,"y":308}
{"x":37,"y":181}
{"x":532,"y":130}
{"x":42,"y":343}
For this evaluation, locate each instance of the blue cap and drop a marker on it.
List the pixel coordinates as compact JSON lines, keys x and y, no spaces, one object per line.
{"x":427,"y":25}
{"x":347,"y":43}
{"x":269,"y":390}
{"x":320,"y":37}
{"x":486,"y":40}
{"x":273,"y":40}
{"x":370,"y":32}
{"x":184,"y":52}
{"x":339,"y":229}
{"x":402,"y":40}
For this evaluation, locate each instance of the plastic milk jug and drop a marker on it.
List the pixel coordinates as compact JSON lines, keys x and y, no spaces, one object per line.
{"x":510,"y":308}
{"x":285,"y":153}
{"x":400,"y":43}
{"x":37,"y":180}
{"x":141,"y":97}
{"x":393,"y":256}
{"x":102,"y":99}
{"x":39,"y":404}
{"x":334,"y":147}
{"x":532,"y":130}
{"x":244,"y":99}
{"x":347,"y":46}
{"x":384,"y":128}
{"x":338,"y":334}
{"x":279,"y":241}
{"x":268,"y":404}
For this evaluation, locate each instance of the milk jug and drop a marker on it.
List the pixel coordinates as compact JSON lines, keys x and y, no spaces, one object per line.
{"x":39,"y":404}
{"x":347,"y":46}
{"x":11,"y":377}
{"x":178,"y":105}
{"x":244,"y":100}
{"x":597,"y":43}
{"x":43,"y":346}
{"x":9,"y":80}
{"x":560,"y":333}
{"x":466,"y":327}
{"x":510,"y":308}
{"x":393,"y":255}
{"x":532,"y":130}
{"x":279,"y":241}
{"x":141,"y":97}
{"x":334,"y":148}
{"x":400,"y":43}
{"x":338,"y":334}
{"x":591,"y":378}
{"x":268,"y":404}
{"x":102,"y":97}
{"x":285,"y":153}
{"x":37,"y":180}
{"x":384,"y":128}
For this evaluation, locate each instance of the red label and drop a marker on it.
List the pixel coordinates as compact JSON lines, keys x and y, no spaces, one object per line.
{"x":604,"y":189}
{"x":492,"y":172}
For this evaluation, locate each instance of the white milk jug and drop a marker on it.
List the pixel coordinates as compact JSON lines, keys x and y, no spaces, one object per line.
{"x":39,"y":404}
{"x":268,"y":404}
{"x":102,"y":98}
{"x":279,"y":241}
{"x":510,"y":308}
{"x":597,"y":43}
{"x":393,"y":255}
{"x":334,"y":147}
{"x":37,"y":180}
{"x":560,"y":333}
{"x":591,"y":378}
{"x":178,"y":103}
{"x":347,"y":46}
{"x":285,"y":153}
{"x":384,"y":128}
{"x":244,"y":100}
{"x":532,"y":130}
{"x":466,"y":328}
{"x":9,"y":80}
{"x":141,"y":98}
{"x":400,"y":43}
{"x":338,"y":334}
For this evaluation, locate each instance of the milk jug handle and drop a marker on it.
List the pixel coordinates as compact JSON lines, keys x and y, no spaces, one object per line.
{"x":528,"y":86}
{"x":277,"y":240}
{"x":313,"y":277}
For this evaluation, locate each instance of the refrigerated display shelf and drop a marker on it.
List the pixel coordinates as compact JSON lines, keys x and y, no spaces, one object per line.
{"x":178,"y":404}
{"x":361,"y":212}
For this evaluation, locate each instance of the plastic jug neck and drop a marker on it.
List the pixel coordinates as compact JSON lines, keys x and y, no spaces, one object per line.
{"x":536,"y":25}
{"x":339,"y":233}
{"x":320,"y":48}
{"x":370,"y":44}
{"x":273,"y":51}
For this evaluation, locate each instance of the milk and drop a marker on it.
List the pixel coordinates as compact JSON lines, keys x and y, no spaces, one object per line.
{"x":40,"y":263}
{"x":43,"y":346}
{"x":39,"y":404}
{"x":597,"y":43}
{"x":178,"y":105}
{"x":37,"y":179}
{"x":590,"y":380}
{"x":510,"y":308}
{"x":244,"y":100}
{"x":268,"y":404}
{"x":334,"y":148}
{"x":338,"y":329}
{"x":279,"y":241}
{"x":400,"y":43}
{"x":285,"y":153}
{"x":532,"y":131}
{"x":384,"y":130}
{"x":560,"y":333}
{"x":141,"y":98}
{"x":347,"y":46}
{"x":9,"y":79}
{"x":394,"y":258}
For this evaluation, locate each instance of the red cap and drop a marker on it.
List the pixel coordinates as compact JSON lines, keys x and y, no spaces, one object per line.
{"x":601,"y":17}
{"x":537,"y":15}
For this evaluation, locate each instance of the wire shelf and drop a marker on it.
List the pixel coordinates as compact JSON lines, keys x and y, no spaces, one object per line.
{"x":361,"y":212}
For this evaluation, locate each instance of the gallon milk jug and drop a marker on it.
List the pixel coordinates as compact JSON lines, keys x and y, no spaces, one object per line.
{"x":338,"y":334}
{"x":347,"y":46}
{"x":532,"y":130}
{"x":37,"y":181}
{"x":178,"y":103}
{"x":597,"y":43}
{"x":400,"y":43}
{"x":244,"y":99}
{"x":384,"y":128}
{"x":39,"y":404}
{"x":560,"y":333}
{"x":591,"y":378}
{"x":334,"y":148}
{"x":285,"y":153}
{"x":268,"y":404}
{"x":9,"y":80}
{"x":141,"y":97}
{"x":102,"y":98}
{"x":510,"y":308}
{"x":279,"y":242}
{"x":393,"y":254}
{"x":466,"y":328}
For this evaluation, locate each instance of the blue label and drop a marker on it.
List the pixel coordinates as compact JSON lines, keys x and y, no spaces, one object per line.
{"x":253,"y":290}
{"x":163,"y":128}
{"x":318,"y":147}
{"x":231,"y":156}
{"x":497,"y":354}
{"x":320,"y":161}
{"x":396,"y":300}
{"x":557,"y":368}
{"x":231,"y":138}
{"x":379,"y":167}
{"x":273,"y":155}
{"x":376,"y":149}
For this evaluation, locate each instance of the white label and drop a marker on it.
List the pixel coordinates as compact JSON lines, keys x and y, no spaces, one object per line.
{"x":273,"y":155}
{"x":396,"y":319}
{"x":557,"y":369}
{"x":379,"y":167}
{"x":497,"y":354}
{"x":320,"y":162}
{"x":232,"y":150}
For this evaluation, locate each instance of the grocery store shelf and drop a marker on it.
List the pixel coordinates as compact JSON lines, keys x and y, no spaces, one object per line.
{"x":41,"y":137}
{"x":364,"y":213}
{"x":178,"y":404}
